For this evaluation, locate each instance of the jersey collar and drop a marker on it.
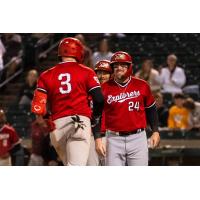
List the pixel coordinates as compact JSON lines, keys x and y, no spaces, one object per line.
{"x":67,"y":62}
{"x":125,"y":84}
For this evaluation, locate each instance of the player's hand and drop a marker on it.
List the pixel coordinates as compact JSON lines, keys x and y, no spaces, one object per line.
{"x":100,"y":148}
{"x":154,"y":140}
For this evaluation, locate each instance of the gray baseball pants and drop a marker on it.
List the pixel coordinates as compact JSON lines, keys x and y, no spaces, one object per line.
{"x":131,"y":150}
{"x":70,"y":142}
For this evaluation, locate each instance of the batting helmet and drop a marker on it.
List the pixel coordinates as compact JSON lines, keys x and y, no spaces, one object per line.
{"x":71,"y":47}
{"x":103,"y":65}
{"x":122,"y":57}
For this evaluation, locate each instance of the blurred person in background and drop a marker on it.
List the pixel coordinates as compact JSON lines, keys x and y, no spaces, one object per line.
{"x":103,"y":53}
{"x":87,"y":60}
{"x":43,"y":152}
{"x":161,"y":109}
{"x":9,"y":142}
{"x":172,"y":77}
{"x":178,"y":115}
{"x":13,"y":45}
{"x":149,"y":74}
{"x":194,"y":108}
{"x":27,"y":91}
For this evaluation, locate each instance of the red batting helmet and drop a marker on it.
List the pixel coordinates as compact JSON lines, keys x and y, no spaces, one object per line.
{"x":122,"y":57}
{"x":103,"y":65}
{"x":71,"y":47}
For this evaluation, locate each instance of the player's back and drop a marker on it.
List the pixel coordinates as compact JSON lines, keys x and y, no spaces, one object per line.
{"x":67,"y":86}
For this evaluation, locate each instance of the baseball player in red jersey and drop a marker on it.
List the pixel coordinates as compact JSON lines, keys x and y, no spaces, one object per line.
{"x":66,"y":87}
{"x":8,"y":140}
{"x":103,"y":71}
{"x":128,"y":103}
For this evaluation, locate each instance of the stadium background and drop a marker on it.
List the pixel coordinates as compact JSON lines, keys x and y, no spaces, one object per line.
{"x":39,"y":51}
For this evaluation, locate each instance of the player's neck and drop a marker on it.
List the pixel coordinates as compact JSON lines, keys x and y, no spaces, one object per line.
{"x":68,"y":59}
{"x":122,"y":81}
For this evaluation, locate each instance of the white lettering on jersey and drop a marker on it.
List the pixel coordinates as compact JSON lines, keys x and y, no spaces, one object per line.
{"x":123,"y":97}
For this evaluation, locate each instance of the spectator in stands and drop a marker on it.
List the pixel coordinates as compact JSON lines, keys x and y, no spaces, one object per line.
{"x":43,"y":152}
{"x":178,"y":115}
{"x":194,"y":108}
{"x":117,"y":35}
{"x":149,"y":74}
{"x":26,"y":93}
{"x":161,"y":109}
{"x":172,"y":77}
{"x":88,"y":52}
{"x":13,"y":44}
{"x":9,"y":141}
{"x":103,"y":53}
{"x":2,"y":52}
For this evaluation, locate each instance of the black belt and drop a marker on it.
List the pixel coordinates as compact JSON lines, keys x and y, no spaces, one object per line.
{"x":127,"y":133}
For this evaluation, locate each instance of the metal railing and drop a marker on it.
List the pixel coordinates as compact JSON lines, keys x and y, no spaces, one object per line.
{"x":39,"y":54}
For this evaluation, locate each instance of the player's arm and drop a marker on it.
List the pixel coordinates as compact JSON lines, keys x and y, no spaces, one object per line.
{"x":39,"y":102}
{"x":152,"y":118}
{"x":98,"y":103}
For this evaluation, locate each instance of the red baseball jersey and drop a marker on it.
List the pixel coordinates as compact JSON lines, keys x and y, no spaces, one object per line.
{"x":8,"y":138}
{"x":125,"y":105}
{"x":67,"y":86}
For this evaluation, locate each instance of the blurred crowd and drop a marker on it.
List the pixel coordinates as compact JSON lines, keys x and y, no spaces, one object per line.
{"x":10,"y":54}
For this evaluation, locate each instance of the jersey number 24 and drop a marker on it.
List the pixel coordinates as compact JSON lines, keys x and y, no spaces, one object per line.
{"x":133,"y":105}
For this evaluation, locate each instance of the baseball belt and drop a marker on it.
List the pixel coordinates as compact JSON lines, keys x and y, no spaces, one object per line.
{"x":125,"y":133}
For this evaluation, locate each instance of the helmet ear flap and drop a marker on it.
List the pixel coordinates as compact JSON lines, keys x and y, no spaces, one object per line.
{"x":129,"y":71}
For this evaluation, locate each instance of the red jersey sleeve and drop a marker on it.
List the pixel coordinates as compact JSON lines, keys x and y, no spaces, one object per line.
{"x":92,"y":81}
{"x":148,"y":98}
{"x":41,"y":84}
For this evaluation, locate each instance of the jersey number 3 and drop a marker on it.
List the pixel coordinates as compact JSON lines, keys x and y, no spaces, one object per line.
{"x":65,"y":81}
